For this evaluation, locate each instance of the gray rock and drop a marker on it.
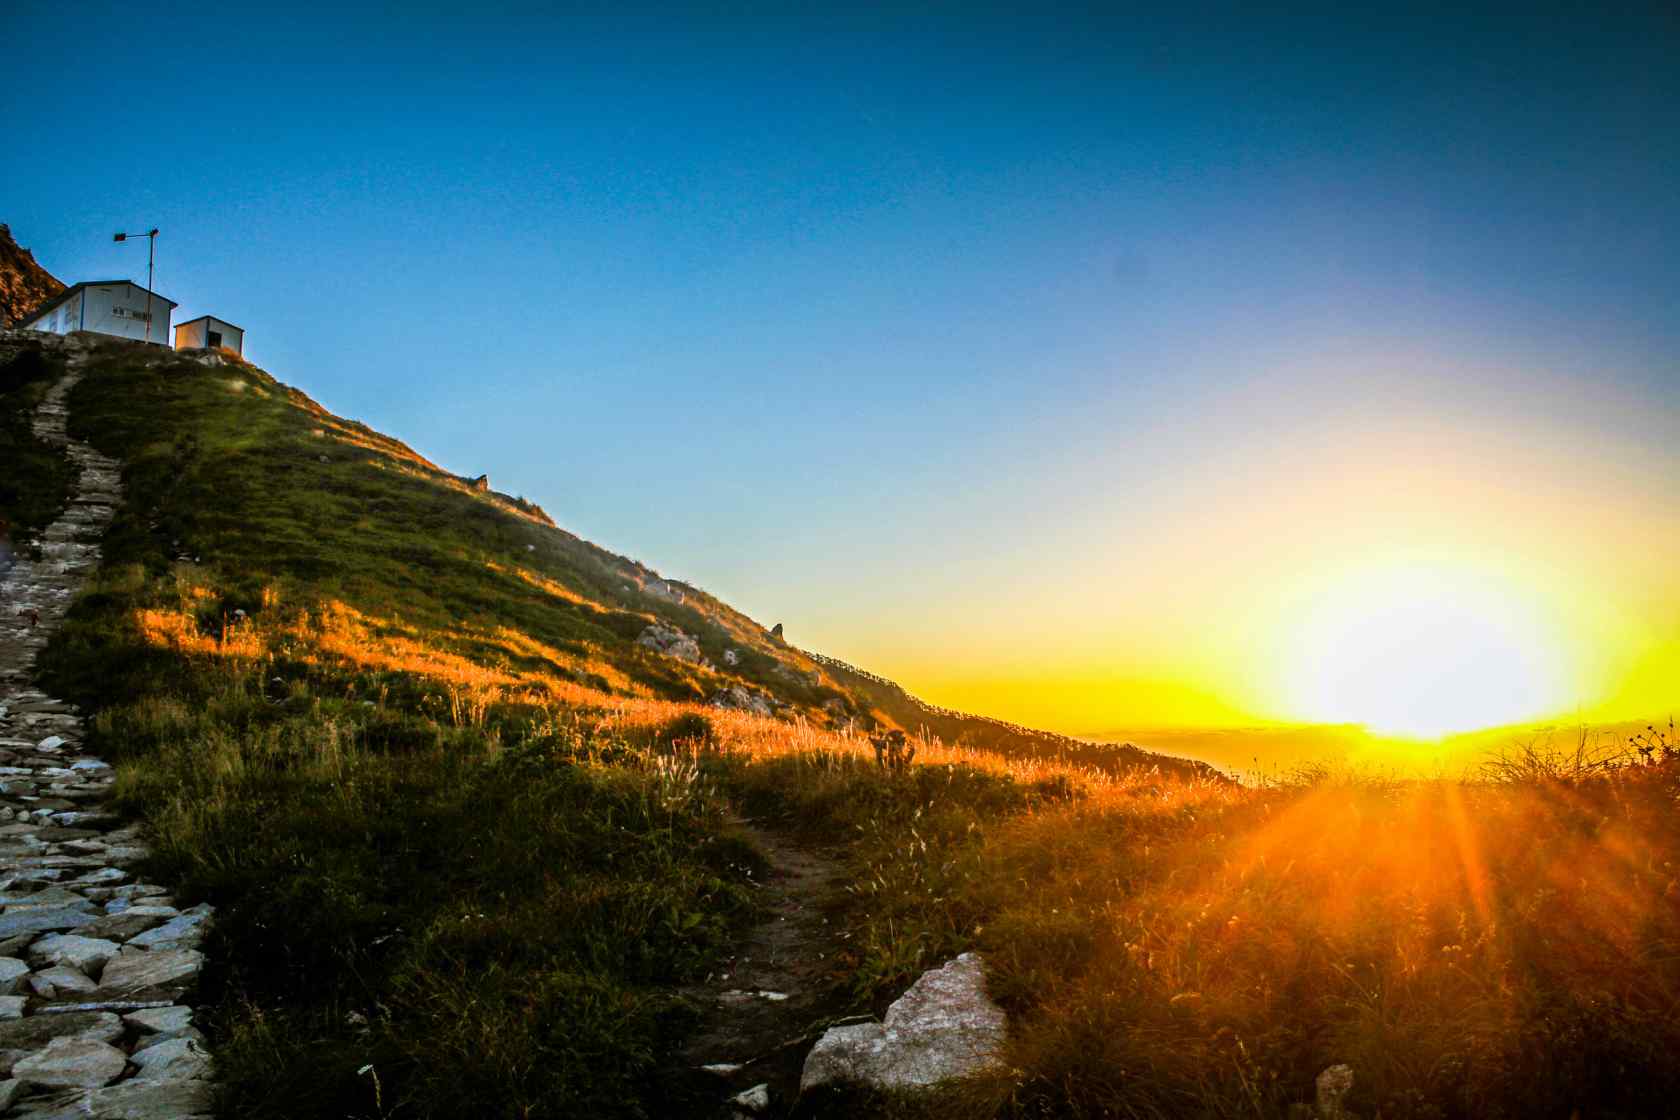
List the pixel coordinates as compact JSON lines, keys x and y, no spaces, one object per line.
{"x":737,"y":698}
{"x":670,"y":641}
{"x":133,"y":969}
{"x":44,"y":919}
{"x":128,"y":921}
{"x":65,"y":979}
{"x":164,"y":1022}
{"x":10,"y":1090}
{"x":87,"y":954}
{"x":82,"y":1063}
{"x":12,"y":972}
{"x":109,"y":876}
{"x":944,"y":1027}
{"x":11,"y":1007}
{"x":138,"y":1100}
{"x":182,"y":932}
{"x":173,"y":1059}
{"x":731,"y":658}
{"x":755,"y":1100}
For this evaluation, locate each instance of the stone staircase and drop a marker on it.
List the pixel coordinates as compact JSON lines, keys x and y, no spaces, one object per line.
{"x":95,"y":965}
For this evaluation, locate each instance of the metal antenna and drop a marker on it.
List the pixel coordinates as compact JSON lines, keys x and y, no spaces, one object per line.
{"x":151,"y":248}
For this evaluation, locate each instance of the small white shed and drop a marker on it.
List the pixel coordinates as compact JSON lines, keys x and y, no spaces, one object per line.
{"x":210,"y":333}
{"x":114,"y":307}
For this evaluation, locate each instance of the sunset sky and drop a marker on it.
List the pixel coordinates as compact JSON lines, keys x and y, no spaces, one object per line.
{"x":1090,"y":370}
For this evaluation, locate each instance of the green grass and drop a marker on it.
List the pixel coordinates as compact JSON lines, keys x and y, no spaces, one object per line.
{"x":36,"y":478}
{"x":495,"y":930}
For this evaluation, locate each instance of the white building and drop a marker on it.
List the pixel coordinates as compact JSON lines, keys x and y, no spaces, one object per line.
{"x":114,"y":307}
{"x":209,"y":333}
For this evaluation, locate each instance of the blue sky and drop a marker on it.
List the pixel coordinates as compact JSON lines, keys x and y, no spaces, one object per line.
{"x":878,"y":322}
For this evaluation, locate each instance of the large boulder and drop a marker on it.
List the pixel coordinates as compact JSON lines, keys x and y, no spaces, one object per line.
{"x":944,"y":1027}
{"x":670,"y":641}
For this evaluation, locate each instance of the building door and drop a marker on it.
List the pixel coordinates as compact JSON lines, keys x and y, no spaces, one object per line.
{"x":215,"y":340}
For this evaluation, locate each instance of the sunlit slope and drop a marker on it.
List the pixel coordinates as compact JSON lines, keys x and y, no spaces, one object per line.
{"x":396,"y":563}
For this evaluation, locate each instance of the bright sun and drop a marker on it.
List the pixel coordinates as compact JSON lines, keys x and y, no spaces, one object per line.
{"x":1423,"y":650}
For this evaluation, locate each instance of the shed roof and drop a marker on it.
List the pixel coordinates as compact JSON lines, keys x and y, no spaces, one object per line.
{"x":52,"y":304}
{"x":212,"y":318}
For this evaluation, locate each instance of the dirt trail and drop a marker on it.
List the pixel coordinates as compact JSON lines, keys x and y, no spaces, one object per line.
{"x":769,"y":1001}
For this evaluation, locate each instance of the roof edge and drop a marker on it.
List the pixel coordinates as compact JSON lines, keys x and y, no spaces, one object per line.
{"x":64,"y":296}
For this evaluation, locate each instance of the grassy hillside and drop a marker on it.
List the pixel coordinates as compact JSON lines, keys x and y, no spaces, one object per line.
{"x":467,"y":838}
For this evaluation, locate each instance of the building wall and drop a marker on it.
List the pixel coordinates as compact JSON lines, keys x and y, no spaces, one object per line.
{"x":190,"y":336}
{"x":120,"y":309}
{"x":66,"y":317}
{"x":194,"y":335}
{"x":232,"y":337}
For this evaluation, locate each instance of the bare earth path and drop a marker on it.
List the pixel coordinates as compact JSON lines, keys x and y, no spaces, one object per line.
{"x":94,"y":965}
{"x":769,"y":1002}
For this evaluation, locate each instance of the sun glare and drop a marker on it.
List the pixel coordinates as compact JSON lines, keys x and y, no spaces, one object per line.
{"x":1422,"y":651}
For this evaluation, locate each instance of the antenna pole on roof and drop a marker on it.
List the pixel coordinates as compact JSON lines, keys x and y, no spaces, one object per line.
{"x":151,"y":248}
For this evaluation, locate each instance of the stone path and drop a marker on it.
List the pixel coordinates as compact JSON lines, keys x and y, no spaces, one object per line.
{"x":94,"y":964}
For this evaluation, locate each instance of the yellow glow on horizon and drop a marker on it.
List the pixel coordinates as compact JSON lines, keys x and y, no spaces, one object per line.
{"x":1423,"y":650}
{"x":1400,"y":573}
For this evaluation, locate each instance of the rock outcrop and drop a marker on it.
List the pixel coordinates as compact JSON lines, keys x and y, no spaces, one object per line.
{"x":671,"y":642}
{"x":24,"y":284}
{"x":945,"y":1027}
{"x":741,"y":699}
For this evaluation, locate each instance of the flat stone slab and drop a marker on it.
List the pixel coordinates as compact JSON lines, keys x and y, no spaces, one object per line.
{"x":173,"y":1059}
{"x":79,"y":1063}
{"x":133,"y":969}
{"x":135,"y":1100}
{"x":164,"y":1022}
{"x":66,"y":980}
{"x":38,"y":1030}
{"x":181,"y":932}
{"x":44,"y":920}
{"x":87,"y":954}
{"x":124,"y":924}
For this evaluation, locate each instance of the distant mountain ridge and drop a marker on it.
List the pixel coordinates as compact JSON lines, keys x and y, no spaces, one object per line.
{"x":987,"y":733}
{"x":24,"y":284}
